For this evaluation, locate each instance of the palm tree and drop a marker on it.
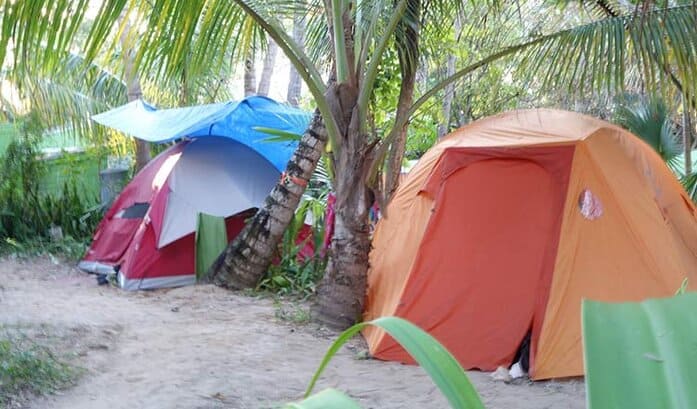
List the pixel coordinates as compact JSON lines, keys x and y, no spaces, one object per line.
{"x":133,"y":89}
{"x":267,"y":70}
{"x":650,"y":119}
{"x":110,"y":62}
{"x":653,"y":44}
{"x":593,"y":54}
{"x":294,"y":80}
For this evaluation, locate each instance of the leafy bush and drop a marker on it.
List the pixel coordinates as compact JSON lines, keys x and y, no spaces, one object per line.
{"x":296,"y":273}
{"x":27,"y":214}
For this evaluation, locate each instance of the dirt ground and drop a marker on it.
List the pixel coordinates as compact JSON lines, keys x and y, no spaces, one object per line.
{"x":204,"y":347}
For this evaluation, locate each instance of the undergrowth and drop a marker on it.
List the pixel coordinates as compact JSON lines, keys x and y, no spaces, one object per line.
{"x":66,"y":248}
{"x":302,"y":257}
{"x":295,"y":313}
{"x":27,"y":369}
{"x":34,"y":221}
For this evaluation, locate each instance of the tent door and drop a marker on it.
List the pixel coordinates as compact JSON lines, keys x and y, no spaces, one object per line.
{"x":479,"y":267}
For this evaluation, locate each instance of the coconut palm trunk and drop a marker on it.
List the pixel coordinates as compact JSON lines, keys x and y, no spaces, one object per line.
{"x":294,"y":81}
{"x":134,"y":91}
{"x":245,"y":260}
{"x":250,"y":78}
{"x":267,"y":69}
{"x":341,"y":292}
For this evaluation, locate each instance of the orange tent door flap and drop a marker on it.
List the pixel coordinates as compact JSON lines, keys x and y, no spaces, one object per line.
{"x":482,"y":274}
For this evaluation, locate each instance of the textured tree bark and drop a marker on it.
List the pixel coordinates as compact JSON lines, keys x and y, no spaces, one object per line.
{"x":295,"y":82}
{"x":133,"y":90}
{"x":341,"y":293}
{"x":267,"y":70}
{"x":245,"y":260}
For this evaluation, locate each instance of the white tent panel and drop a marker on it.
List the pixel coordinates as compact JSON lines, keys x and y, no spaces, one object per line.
{"x":217,"y":176}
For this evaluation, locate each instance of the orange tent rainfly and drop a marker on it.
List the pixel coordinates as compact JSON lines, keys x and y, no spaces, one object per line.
{"x":513,"y":220}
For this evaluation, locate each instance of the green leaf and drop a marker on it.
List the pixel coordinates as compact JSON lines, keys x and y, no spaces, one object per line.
{"x":440,"y":365}
{"x":280,"y":136}
{"x":280,"y":281}
{"x":641,"y":355}
{"x":327,"y":399}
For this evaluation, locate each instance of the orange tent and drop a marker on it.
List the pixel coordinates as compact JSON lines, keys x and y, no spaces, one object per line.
{"x":505,"y":225}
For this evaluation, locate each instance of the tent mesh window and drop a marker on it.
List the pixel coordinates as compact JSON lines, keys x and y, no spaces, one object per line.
{"x":590,"y":206}
{"x":137,"y":211}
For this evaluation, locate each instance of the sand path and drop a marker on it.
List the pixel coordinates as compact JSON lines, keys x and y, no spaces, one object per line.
{"x":204,"y":347}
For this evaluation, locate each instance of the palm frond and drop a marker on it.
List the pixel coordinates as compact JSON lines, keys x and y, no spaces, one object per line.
{"x":650,"y":120}
{"x":40,"y":31}
{"x":68,"y":97}
{"x":600,"y":54}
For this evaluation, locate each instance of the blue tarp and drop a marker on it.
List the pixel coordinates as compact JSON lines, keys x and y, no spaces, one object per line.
{"x":234,"y":120}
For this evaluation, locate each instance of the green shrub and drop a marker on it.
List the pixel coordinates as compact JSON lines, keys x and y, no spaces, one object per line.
{"x":27,"y":368}
{"x":27,"y":214}
{"x":293,"y":274}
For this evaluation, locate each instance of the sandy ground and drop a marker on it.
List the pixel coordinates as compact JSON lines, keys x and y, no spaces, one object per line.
{"x":204,"y":347}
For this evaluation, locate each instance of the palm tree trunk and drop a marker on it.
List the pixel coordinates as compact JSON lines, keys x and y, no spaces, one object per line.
{"x":245,"y":260}
{"x":267,"y":70}
{"x":341,"y":293}
{"x":250,"y":80}
{"x":295,"y":83}
{"x":444,"y":127}
{"x":396,"y":154}
{"x":134,"y":91}
{"x":408,"y":55}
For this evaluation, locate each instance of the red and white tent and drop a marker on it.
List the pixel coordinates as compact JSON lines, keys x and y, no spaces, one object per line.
{"x":147,"y":236}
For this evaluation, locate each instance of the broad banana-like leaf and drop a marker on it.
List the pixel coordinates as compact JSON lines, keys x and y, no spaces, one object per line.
{"x":641,"y":355}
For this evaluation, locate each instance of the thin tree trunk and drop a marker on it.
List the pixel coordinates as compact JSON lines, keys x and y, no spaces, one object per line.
{"x":295,"y":83}
{"x":133,"y":90}
{"x":184,"y":90}
{"x":250,"y":80}
{"x":245,"y":260}
{"x":267,"y":70}
{"x":396,"y":153}
{"x":444,"y":127}
{"x":687,"y":135}
{"x":408,"y":54}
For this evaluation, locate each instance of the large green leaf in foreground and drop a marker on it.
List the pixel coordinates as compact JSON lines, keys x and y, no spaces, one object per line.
{"x":440,"y":365}
{"x":327,"y":399}
{"x":641,"y":355}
